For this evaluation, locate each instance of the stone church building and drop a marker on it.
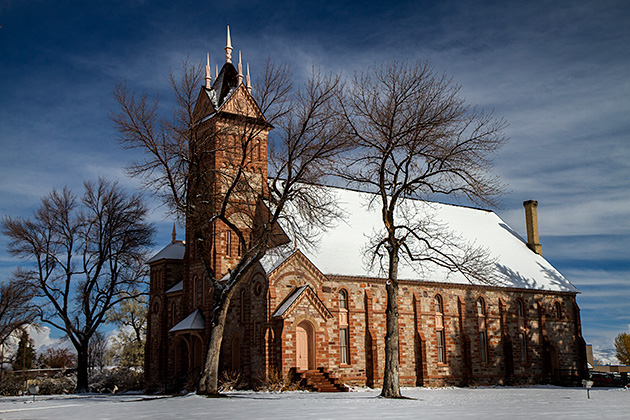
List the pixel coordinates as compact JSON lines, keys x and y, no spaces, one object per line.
{"x":324,"y":308}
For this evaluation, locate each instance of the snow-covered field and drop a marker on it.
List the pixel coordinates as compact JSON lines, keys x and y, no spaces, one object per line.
{"x":449,"y":403}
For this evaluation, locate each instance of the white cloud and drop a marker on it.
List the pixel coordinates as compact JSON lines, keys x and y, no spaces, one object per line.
{"x":43,"y":340}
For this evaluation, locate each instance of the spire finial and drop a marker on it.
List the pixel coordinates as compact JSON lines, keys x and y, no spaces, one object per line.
{"x":208,"y":77}
{"x":240,"y":68}
{"x":228,"y":47}
{"x":174,"y":235}
{"x":249,"y":83}
{"x":216,"y":71}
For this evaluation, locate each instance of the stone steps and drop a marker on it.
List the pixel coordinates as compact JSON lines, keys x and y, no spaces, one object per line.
{"x":320,"y":380}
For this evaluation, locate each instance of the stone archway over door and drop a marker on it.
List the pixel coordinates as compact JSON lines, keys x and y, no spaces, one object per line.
{"x":305,"y":351}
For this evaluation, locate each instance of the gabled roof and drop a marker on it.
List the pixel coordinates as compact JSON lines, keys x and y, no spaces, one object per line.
{"x":227,"y":95}
{"x":193,"y":322}
{"x":173,"y":251}
{"x":226,"y":81}
{"x":296,"y":296}
{"x":275,"y":257}
{"x":342,"y":250}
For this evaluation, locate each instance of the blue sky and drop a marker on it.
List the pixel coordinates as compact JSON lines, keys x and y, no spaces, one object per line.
{"x":557,"y":71}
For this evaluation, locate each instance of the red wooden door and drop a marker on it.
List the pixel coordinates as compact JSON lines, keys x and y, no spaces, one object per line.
{"x":302,"y":347}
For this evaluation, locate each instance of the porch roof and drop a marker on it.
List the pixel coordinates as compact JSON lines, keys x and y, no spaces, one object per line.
{"x":192,"y":322}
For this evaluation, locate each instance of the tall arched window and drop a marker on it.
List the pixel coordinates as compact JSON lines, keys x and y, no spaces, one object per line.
{"x":228,"y":243}
{"x":344,"y":339}
{"x":242,"y":306}
{"x":481,"y":322}
{"x":195,"y":291}
{"x":522,"y":331}
{"x":557,"y":310}
{"x":439,"y":329}
{"x":173,"y":315}
{"x":236,"y":354}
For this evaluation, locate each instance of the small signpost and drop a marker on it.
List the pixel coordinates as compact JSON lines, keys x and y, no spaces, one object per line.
{"x":588,"y":385}
{"x":33,"y":390}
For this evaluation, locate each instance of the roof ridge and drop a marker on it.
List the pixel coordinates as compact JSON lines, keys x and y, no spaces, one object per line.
{"x":355,"y":189}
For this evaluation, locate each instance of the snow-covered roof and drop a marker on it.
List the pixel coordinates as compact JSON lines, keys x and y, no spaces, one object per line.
{"x":177,"y":288}
{"x":342,"y":249}
{"x":290,"y":300}
{"x":173,"y":251}
{"x":194,"y":321}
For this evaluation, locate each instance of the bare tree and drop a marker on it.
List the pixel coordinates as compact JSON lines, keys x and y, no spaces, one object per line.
{"x":417,"y":139}
{"x":85,"y":256}
{"x":96,"y":352}
{"x":208,"y":165}
{"x":16,"y":308}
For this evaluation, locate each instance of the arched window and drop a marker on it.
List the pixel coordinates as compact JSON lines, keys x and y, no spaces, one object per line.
{"x":236,"y":354}
{"x":343,"y":299}
{"x":242,"y":305}
{"x":439,"y":329}
{"x":228,"y":243}
{"x":481,"y":322}
{"x":172,"y":314}
{"x":522,"y":331}
{"x":194,"y":291}
{"x":344,"y":338}
{"x":481,"y":307}
{"x":557,"y":310}
{"x":203,"y":286}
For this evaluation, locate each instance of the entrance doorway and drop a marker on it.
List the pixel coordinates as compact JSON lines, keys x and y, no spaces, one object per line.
{"x":305,"y":349}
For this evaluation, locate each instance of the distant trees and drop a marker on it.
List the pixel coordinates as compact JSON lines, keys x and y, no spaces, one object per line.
{"x":16,"y":308}
{"x":85,"y":256}
{"x":57,"y":357}
{"x":127,"y":347}
{"x":416,"y":139}
{"x":236,"y":196}
{"x":97,"y":353}
{"x":622,"y":347}
{"x":25,"y":354}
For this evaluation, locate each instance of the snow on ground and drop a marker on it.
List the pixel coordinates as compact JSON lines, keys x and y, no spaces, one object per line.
{"x":449,"y":403}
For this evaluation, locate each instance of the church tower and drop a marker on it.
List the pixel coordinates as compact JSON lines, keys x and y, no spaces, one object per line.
{"x":228,"y":155}
{"x":227,"y":144}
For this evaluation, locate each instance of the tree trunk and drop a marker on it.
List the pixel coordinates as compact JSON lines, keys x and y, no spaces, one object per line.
{"x":209,"y":381}
{"x":82,"y":370}
{"x":391,"y":387}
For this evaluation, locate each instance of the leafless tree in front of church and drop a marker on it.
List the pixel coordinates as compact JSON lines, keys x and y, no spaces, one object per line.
{"x":206,"y":165}
{"x":16,"y":308}
{"x":84,"y":256}
{"x":417,"y":139}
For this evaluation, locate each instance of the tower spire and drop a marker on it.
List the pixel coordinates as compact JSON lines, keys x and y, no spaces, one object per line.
{"x":208,"y":76}
{"x":240,"y":68}
{"x":174,"y":234}
{"x":249,"y":83}
{"x":228,"y":47}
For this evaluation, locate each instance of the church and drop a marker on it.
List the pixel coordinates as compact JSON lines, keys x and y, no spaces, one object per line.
{"x":320,"y":312}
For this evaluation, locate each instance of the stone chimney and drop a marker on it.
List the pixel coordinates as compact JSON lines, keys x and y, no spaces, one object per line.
{"x":531,"y":222}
